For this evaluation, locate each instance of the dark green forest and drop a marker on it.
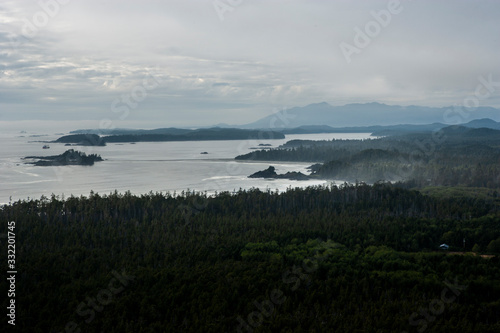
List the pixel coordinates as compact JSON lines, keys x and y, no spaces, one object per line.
{"x":354,"y":258}
{"x":452,"y":156}
{"x":169,"y":134}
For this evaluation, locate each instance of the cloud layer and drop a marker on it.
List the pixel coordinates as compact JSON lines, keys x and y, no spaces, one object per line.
{"x":180,"y":63}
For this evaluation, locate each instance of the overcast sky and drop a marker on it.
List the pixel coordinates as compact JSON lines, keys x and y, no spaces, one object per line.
{"x":127,"y":63}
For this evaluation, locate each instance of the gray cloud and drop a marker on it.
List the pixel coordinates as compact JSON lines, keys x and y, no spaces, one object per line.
{"x":263,"y":55}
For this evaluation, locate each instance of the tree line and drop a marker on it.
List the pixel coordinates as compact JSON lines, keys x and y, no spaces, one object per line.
{"x":349,"y":258}
{"x":454,"y":156}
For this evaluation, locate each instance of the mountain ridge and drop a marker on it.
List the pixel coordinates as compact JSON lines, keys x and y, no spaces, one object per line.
{"x":366,"y":114}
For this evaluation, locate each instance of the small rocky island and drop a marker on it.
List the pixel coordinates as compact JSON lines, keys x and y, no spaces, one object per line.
{"x":69,"y":157}
{"x":271,"y":173}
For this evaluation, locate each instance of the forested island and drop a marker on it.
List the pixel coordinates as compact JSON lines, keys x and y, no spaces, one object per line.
{"x":322,"y":259}
{"x":81,"y":140}
{"x":69,"y":157}
{"x":170,"y":135}
{"x":452,"y":156}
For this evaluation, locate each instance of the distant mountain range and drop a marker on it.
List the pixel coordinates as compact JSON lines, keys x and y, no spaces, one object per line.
{"x":324,"y":118}
{"x":367,"y":114}
{"x":217,"y":133}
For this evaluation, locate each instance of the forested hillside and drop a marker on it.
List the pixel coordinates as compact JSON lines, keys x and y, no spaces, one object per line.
{"x":453,"y":156}
{"x":357,"y":258}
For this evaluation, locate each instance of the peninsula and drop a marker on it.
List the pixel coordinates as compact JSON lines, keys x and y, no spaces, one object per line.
{"x":169,"y":134}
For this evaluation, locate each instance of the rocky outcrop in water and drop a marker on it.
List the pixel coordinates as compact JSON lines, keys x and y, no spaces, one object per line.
{"x":271,"y":173}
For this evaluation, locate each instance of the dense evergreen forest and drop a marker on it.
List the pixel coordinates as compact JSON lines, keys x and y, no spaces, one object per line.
{"x":169,"y":134}
{"x":452,"y":156}
{"x":355,"y":258}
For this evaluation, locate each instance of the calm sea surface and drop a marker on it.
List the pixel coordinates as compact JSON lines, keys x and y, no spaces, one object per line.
{"x":143,"y":167}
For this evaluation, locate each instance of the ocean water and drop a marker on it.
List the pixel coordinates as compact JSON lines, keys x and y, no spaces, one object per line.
{"x":143,"y":167}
